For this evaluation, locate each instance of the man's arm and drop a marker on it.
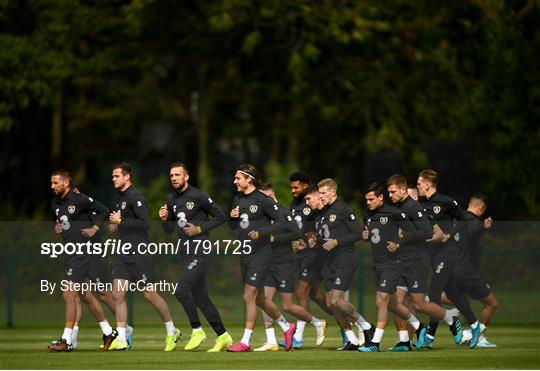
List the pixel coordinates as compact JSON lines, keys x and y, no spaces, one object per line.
{"x":422,"y":228}
{"x":353,"y":226}
{"x":293,"y":232}
{"x":98,"y":213}
{"x":270,"y":209}
{"x":168,"y":224}
{"x":212,"y":209}
{"x":234,"y":221}
{"x":407,"y":228}
{"x":140,"y":210}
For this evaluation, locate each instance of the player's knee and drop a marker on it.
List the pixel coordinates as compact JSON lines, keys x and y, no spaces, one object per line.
{"x":70,"y":295}
{"x":493,"y":303}
{"x":150,"y":295}
{"x":332,"y":302}
{"x":118,"y":296}
{"x":287,"y":306}
{"x":86,"y":297}
{"x":381,"y":303}
{"x":181,"y":293}
{"x":259,"y":299}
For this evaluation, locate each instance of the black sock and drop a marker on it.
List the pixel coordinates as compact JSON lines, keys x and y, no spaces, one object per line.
{"x":433,"y":328}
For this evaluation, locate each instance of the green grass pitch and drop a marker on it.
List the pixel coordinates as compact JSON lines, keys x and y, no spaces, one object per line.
{"x":25,"y":348}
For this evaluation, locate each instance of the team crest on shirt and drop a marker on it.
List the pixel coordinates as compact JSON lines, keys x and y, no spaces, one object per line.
{"x":123,"y":205}
{"x":383,"y":220}
{"x":253,"y":208}
{"x":57,"y":211}
{"x":306,"y":210}
{"x":332,"y":218}
{"x":289,"y":219}
{"x":174,"y":208}
{"x":436,"y":209}
{"x":456,"y":237}
{"x":190,"y":205}
{"x":71,"y":209}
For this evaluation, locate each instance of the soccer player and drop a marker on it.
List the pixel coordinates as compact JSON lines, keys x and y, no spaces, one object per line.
{"x":467,"y":270}
{"x":309,"y":255}
{"x":187,"y":211}
{"x":254,"y":218}
{"x":391,"y":235}
{"x":339,"y":228}
{"x":77,"y":220}
{"x":281,"y":277}
{"x":130,"y":220}
{"x":415,"y":259}
{"x":442,"y":210}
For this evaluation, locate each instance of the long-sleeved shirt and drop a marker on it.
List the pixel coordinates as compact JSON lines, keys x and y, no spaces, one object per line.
{"x":444,"y":211}
{"x":258,"y":212}
{"x":192,"y":206}
{"x":383,"y":225}
{"x":133,"y":210}
{"x":417,"y":249}
{"x":282,"y":245}
{"x":75,"y":212}
{"x":468,"y":243}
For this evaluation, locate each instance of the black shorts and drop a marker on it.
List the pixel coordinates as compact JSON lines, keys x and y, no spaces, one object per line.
{"x":282,"y":273}
{"x":98,"y":271}
{"x":192,"y":269}
{"x":134,"y":268}
{"x":339,"y":270}
{"x":387,"y":276}
{"x":254,"y":267}
{"x":415,"y":276}
{"x":442,"y":266}
{"x":79,"y":268}
{"x":310,"y":268}
{"x":469,"y":281}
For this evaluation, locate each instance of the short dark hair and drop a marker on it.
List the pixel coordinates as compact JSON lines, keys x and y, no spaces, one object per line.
{"x":398,"y":180}
{"x":311,"y":189}
{"x":300,"y":176}
{"x":126,"y":168}
{"x":430,"y":175}
{"x":179,"y":164}
{"x":63,"y":173}
{"x":375,"y":188}
{"x":265,"y":186}
{"x":480,"y":196}
{"x":252,"y":172}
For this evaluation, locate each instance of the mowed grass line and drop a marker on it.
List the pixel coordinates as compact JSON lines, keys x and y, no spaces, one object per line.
{"x":518,"y":347}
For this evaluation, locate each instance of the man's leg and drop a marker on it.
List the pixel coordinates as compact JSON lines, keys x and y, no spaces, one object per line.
{"x":271,"y":341}
{"x":345,"y":314}
{"x":97,"y":311}
{"x":70,"y":304}
{"x":381,"y":300}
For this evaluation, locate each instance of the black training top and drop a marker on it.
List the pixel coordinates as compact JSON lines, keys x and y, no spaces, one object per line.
{"x":258,"y":212}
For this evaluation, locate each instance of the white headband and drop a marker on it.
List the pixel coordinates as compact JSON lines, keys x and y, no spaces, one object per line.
{"x":247,"y":174}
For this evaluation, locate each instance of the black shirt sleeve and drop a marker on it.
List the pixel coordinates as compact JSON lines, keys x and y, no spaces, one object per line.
{"x":140,"y":214}
{"x":353,"y":225}
{"x":212,"y":209}
{"x":97,"y":212}
{"x":234,"y":222}
{"x":270,"y":209}
{"x":168,"y":225}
